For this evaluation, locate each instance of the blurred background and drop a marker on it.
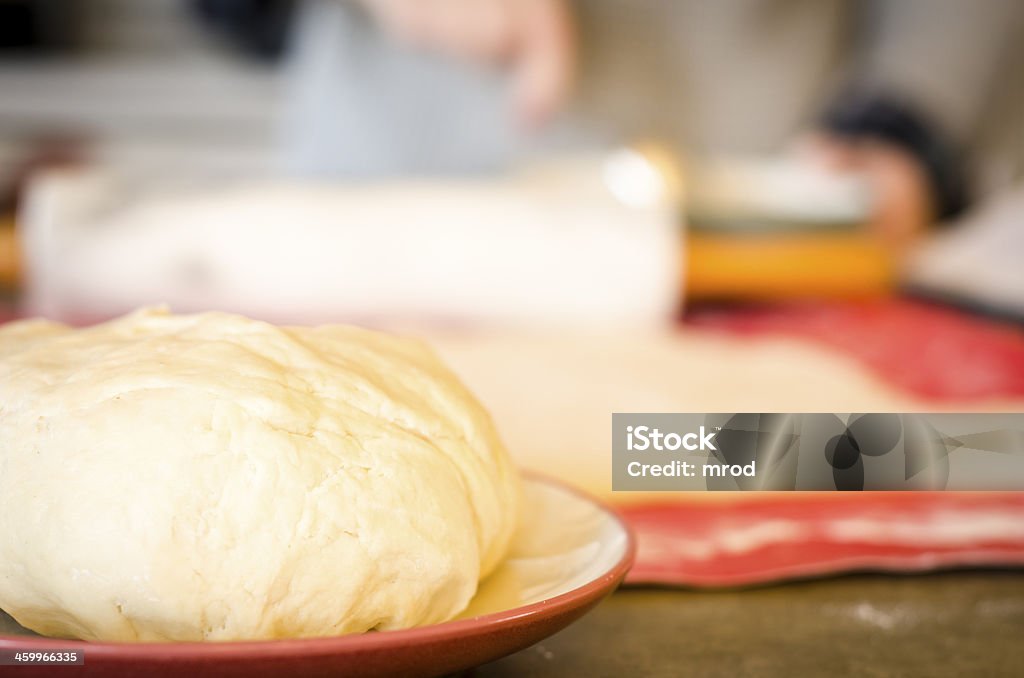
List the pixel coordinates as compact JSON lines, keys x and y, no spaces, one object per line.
{"x":755,"y":205}
{"x":597,"y":162}
{"x":587,"y":206}
{"x":752,"y":205}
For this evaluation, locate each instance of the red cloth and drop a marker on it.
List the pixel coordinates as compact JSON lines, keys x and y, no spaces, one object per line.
{"x":933,"y":352}
{"x":763,"y":538}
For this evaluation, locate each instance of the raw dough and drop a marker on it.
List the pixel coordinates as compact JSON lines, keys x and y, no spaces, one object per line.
{"x":210,"y":477}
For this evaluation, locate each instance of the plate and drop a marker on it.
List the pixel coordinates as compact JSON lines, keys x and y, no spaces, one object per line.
{"x":569,"y":553}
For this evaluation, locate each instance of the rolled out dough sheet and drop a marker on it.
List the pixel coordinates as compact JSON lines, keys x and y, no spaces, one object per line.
{"x":552,"y":395}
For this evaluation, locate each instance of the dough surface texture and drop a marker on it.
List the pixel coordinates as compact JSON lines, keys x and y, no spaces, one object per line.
{"x":211,"y":477}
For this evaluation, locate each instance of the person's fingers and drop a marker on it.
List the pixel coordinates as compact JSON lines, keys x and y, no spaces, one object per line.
{"x":535,"y":38}
{"x":406,"y":20}
{"x":481,"y":30}
{"x":825,"y":150}
{"x":904,"y":207}
{"x":544,"y":59}
{"x":444,"y":23}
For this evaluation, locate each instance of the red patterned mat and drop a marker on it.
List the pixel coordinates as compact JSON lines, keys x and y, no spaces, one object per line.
{"x":771,"y":537}
{"x":931,"y":351}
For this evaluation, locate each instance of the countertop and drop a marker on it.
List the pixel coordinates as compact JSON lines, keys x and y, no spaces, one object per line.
{"x":942,"y":624}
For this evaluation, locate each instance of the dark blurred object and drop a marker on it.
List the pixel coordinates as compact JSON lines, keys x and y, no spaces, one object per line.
{"x":39,"y":26}
{"x":259,"y":28}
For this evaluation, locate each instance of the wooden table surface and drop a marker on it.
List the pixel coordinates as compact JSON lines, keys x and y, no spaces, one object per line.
{"x":944,"y":624}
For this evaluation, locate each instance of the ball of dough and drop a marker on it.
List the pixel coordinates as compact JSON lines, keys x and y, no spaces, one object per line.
{"x":210,"y":477}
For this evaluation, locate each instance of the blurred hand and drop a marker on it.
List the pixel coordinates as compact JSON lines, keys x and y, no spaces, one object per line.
{"x":903,"y":203}
{"x":533,"y":39}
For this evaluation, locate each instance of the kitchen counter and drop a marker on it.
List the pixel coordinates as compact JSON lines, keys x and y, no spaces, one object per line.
{"x":941,"y":624}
